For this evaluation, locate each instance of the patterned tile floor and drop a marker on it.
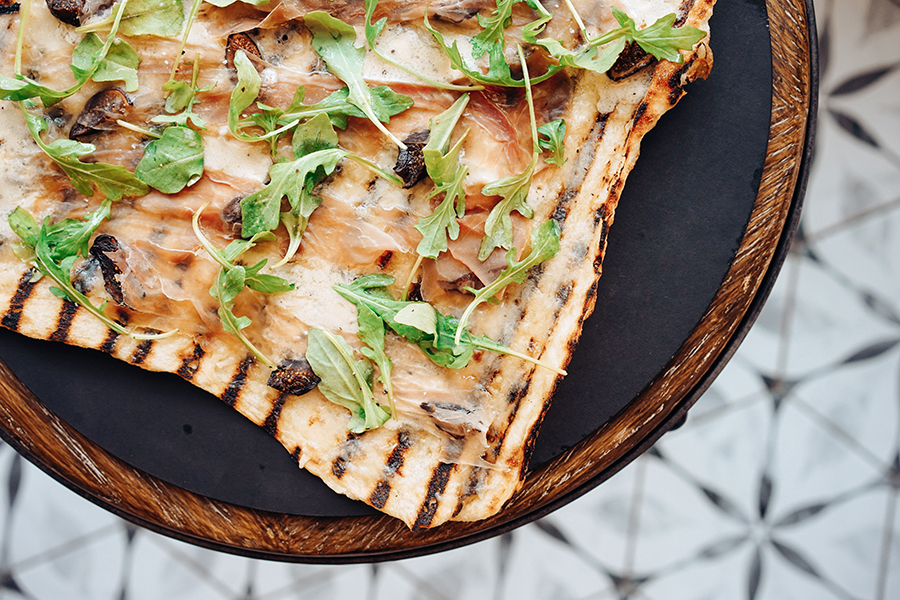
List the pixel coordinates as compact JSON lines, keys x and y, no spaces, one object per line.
{"x":783,"y":484}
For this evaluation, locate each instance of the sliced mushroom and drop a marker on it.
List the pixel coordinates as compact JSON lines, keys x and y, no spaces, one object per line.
{"x":70,"y":12}
{"x":239,"y":41}
{"x":410,"y":165}
{"x":100,"y":113}
{"x":294,"y":377}
{"x":101,"y":248}
{"x":632,"y":59}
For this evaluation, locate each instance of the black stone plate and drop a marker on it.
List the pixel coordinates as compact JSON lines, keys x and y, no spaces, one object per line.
{"x":676,"y":231}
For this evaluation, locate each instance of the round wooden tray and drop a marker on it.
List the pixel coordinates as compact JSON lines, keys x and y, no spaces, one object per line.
{"x":80,"y":464}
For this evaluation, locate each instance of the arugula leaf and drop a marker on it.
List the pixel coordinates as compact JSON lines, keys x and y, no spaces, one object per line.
{"x":344,"y":380}
{"x":448,"y":174}
{"x":113,"y":181}
{"x":661,"y":39}
{"x":544,"y":245}
{"x":555,"y":133}
{"x":498,"y":72}
{"x":335,"y":42}
{"x":54,"y":248}
{"x":420,"y":324}
{"x":371,"y":333}
{"x":119,"y":64}
{"x":224,"y":3}
{"x":173,"y":162}
{"x":494,"y":26}
{"x":161,"y":18}
{"x":244,"y":93}
{"x":181,"y":99}
{"x":373,"y":30}
{"x":22,"y":88}
{"x":233,"y":278}
{"x":293,"y":180}
{"x":316,"y":156}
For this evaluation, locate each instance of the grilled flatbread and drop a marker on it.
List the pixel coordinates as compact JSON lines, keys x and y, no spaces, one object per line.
{"x":458,"y":440}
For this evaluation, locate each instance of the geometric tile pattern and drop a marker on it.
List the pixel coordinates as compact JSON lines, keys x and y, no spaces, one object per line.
{"x":783,"y":483}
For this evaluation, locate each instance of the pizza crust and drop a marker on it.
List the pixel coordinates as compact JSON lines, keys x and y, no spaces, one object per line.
{"x":409,"y":468}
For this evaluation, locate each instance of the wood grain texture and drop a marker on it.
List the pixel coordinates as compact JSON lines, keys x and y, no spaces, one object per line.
{"x":106,"y":480}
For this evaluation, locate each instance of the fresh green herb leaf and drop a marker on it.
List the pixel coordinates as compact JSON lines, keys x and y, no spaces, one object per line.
{"x":448,"y":174}
{"x":544,"y":245}
{"x":119,"y":64}
{"x":553,"y":139}
{"x":661,"y":39}
{"x":161,"y":18}
{"x":335,"y":42}
{"x":344,"y":380}
{"x":54,"y":248}
{"x":498,"y":229}
{"x":371,"y":333}
{"x":494,"y":26}
{"x":224,"y":3}
{"x":181,"y":99}
{"x":173,"y":162}
{"x":373,"y":30}
{"x":113,"y":181}
{"x":436,"y":338}
{"x":293,"y":180}
{"x":244,"y":93}
{"x":22,"y":88}
{"x":233,"y":278}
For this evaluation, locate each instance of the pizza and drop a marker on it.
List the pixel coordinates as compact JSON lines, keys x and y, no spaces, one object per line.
{"x":372,"y":228}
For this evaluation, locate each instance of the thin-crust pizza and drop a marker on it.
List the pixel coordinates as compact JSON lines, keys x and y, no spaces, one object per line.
{"x":373,"y":229}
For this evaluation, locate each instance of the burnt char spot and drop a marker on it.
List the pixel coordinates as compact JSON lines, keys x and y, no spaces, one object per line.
{"x":296,"y":454}
{"x":562,"y":294}
{"x":339,"y":466}
{"x":471,"y":487}
{"x":9,"y":9}
{"x":231,"y":393}
{"x":64,"y":322}
{"x":395,"y":461}
{"x":23,"y":291}
{"x":632,"y":59}
{"x":190,"y":364}
{"x":436,"y":486}
{"x":109,"y":344}
{"x":239,"y":41}
{"x":141,"y":352}
{"x":384,"y":259}
{"x":410,"y":165}
{"x":640,"y":111}
{"x":379,"y":496}
{"x":294,"y":377}
{"x":348,"y":449}
{"x":100,"y":113}
{"x":271,"y":424}
{"x":102,"y":246}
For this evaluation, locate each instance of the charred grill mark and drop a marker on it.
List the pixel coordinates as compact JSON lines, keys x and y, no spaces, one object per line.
{"x":141,"y":352}
{"x":563,"y":292}
{"x":271,"y":424}
{"x":436,"y":486}
{"x":231,"y":393}
{"x":347,"y":450}
{"x":296,"y":453}
{"x":23,"y":291}
{"x":395,"y":461}
{"x":190,"y":364}
{"x":532,"y":438}
{"x":339,"y":466}
{"x":471,"y":489}
{"x":109,"y":344}
{"x":379,"y":496}
{"x":64,"y":321}
{"x":640,"y":111}
{"x":9,"y":9}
